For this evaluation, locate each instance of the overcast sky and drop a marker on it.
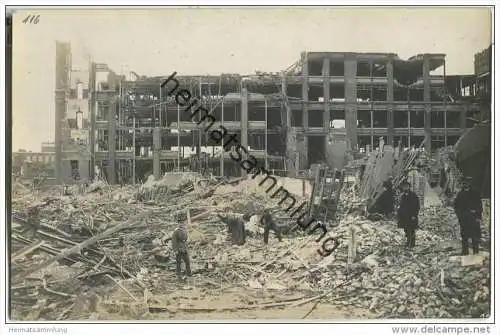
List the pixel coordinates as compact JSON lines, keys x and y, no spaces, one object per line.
{"x":214,"y":41}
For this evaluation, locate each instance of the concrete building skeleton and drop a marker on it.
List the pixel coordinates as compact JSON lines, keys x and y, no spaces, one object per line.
{"x":321,"y":109}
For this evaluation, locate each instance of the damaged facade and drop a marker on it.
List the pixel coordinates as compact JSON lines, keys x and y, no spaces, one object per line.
{"x":324,"y":108}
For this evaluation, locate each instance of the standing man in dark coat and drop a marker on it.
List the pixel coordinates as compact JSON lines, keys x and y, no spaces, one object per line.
{"x":407,"y":214}
{"x":179,"y":244}
{"x":269,"y":224}
{"x":469,"y":210}
{"x":385,"y":202}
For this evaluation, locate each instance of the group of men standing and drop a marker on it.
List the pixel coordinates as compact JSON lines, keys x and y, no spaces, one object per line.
{"x":468,"y":208}
{"x":467,"y":205}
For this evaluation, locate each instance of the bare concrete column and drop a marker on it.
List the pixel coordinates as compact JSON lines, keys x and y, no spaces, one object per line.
{"x":156,"y":152}
{"x":60,"y":110}
{"x":291,"y":146}
{"x":244,"y":121}
{"x":351,"y":108}
{"x":427,"y":102}
{"x":463,"y":119}
{"x":326,"y":99}
{"x":305,"y":91}
{"x":112,"y":144}
{"x":326,"y":93}
{"x":390,"y":102}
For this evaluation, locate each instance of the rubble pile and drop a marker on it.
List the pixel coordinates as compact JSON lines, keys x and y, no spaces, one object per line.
{"x":128,"y":271}
{"x":393,"y":282}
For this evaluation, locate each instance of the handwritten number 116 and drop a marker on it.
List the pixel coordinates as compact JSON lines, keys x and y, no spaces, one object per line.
{"x":31,"y":19}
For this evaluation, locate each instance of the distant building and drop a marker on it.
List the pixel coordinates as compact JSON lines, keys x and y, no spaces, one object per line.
{"x":31,"y":164}
{"x":48,"y":147}
{"x":327,"y":105}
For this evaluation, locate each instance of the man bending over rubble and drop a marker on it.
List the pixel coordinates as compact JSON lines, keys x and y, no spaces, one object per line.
{"x":407,"y":214}
{"x":179,"y":244}
{"x":469,"y":209}
{"x":236,"y":228}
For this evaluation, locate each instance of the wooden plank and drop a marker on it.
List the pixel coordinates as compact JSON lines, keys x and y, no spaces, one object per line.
{"x":77,"y":248}
{"x":25,"y":251}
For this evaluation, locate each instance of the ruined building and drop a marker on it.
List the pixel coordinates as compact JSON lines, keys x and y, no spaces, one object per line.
{"x":325,"y":107}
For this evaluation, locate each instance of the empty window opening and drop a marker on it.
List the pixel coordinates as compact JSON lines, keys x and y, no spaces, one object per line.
{"x":337,"y":92}
{"x":401,"y":94}
{"x":379,"y":70}
{"x":416,"y":95}
{"x":294,"y":91}
{"x":439,"y":71}
{"x":379,"y":94}
{"x":438,"y":94}
{"x":315,"y":67}
{"x":336,"y":68}
{"x":257,"y":141}
{"x":364,"y":94}
{"x":102,"y":111}
{"x":451,"y":140}
{"x":275,"y":144}
{"x":376,"y":141}
{"x":401,"y":141}
{"x":315,"y":118}
{"x":274,"y":118}
{"x":255,"y":113}
{"x":364,"y":119}
{"x":297,"y":120}
{"x":452,"y":119}
{"x":75,"y":174}
{"x":102,"y":140}
{"x":417,"y":119}
{"x":363,"y":141}
{"x":315,"y":93}
{"x":316,"y":149}
{"x":337,"y":115}
{"x":416,"y":140}
{"x":79,"y":91}
{"x":232,"y":112}
{"x":437,"y":142}
{"x":400,"y":119}
{"x":472,"y":118}
{"x":380,"y":119}
{"x":437,"y":119}
{"x":363,"y":69}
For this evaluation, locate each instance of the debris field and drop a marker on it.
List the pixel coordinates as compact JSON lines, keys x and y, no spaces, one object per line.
{"x":103,"y":253}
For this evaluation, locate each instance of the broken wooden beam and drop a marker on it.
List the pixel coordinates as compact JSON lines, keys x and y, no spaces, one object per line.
{"x":77,"y":248}
{"x":25,"y":251}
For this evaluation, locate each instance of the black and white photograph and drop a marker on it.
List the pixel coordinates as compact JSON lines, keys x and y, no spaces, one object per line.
{"x":254,"y":164}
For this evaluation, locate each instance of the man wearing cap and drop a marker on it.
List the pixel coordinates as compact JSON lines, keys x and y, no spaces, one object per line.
{"x":179,"y":244}
{"x":469,"y":209}
{"x":407,"y":214}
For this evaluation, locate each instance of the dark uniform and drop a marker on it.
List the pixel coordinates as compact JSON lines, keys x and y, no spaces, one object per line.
{"x":236,"y":229}
{"x":385,"y":203}
{"x":407,"y":214}
{"x":269,"y":224}
{"x":179,"y":244}
{"x":469,"y":209}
